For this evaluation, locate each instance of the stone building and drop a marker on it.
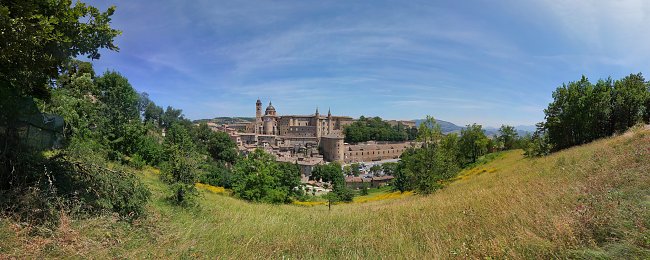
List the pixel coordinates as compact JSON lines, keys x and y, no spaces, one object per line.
{"x":375,"y":151}
{"x":308,"y":136}
{"x":315,"y":125}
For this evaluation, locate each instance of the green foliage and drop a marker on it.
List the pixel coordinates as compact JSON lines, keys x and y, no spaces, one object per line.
{"x":330,"y":172}
{"x":374,"y":128}
{"x":440,"y":158}
{"x":153,"y":114}
{"x":429,"y":131}
{"x":364,"y":189}
{"x":389,"y":168}
{"x":172,"y":116}
{"x":582,"y":112}
{"x":375,"y":169}
{"x":629,"y":96}
{"x":472,"y":143}
{"x":180,"y":170}
{"x":539,"y":144}
{"x":137,"y":162}
{"x":39,"y":37}
{"x":333,"y":174}
{"x":76,"y":180}
{"x":355,"y":169}
{"x":341,"y":193}
{"x":218,"y":144}
{"x":216,"y":174}
{"x":259,"y":178}
{"x":507,"y":137}
{"x":120,"y":110}
{"x":150,"y":149}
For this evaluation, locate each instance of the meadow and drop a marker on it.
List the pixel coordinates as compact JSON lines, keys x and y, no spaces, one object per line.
{"x":590,"y":201}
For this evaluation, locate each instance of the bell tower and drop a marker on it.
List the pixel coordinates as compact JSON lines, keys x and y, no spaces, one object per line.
{"x":258,"y":116}
{"x":317,"y":123}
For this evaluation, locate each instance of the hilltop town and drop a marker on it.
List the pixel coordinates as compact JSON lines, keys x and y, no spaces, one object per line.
{"x":310,"y":140}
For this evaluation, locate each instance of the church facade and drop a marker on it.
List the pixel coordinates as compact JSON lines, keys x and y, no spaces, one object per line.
{"x":316,"y":125}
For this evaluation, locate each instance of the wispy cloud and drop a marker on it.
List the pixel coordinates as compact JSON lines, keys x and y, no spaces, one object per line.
{"x":480,"y":61}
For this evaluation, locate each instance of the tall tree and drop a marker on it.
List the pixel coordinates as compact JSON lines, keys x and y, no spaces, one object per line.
{"x":259,"y":178}
{"x":629,"y":97}
{"x":507,"y":136}
{"x":121,"y":109}
{"x":39,"y":37}
{"x":473,"y":143}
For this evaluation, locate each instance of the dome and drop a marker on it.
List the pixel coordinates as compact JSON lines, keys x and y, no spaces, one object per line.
{"x":270,"y":110}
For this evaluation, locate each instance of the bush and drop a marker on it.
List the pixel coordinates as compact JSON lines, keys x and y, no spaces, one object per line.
{"x":150,"y":150}
{"x":91,"y":187}
{"x":259,"y":178}
{"x":216,"y":174}
{"x":137,"y":162}
{"x":75,"y":181}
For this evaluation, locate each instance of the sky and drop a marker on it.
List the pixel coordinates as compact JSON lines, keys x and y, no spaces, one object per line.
{"x":478,"y":61}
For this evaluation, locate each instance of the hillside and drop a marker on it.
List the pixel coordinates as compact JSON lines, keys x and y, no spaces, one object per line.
{"x":226,"y":120}
{"x":449,"y":127}
{"x":584,"y":202}
{"x":446,"y":127}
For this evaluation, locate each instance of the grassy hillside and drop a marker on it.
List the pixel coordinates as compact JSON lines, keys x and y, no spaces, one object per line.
{"x":585,"y":202}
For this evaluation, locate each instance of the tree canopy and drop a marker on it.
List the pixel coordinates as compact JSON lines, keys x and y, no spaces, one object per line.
{"x":582,"y":112}
{"x":39,"y":37}
{"x":376,"y":129}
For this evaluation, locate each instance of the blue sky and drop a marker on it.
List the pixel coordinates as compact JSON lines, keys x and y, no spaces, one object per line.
{"x":489,"y":62}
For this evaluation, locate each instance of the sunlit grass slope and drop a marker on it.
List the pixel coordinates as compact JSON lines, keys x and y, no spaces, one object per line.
{"x":585,"y":202}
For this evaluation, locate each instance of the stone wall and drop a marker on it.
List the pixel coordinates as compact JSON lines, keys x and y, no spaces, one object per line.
{"x":374,"y":151}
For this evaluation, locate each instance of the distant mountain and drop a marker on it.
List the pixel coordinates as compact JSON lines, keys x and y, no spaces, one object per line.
{"x":445,"y":126}
{"x":226,"y":120}
{"x":449,"y":127}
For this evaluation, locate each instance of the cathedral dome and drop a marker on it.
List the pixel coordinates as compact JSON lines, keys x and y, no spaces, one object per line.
{"x":270,"y":110}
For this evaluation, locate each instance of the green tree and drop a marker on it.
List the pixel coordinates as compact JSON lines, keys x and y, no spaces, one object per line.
{"x":389,"y":168}
{"x":424,"y":169}
{"x":429,"y":132}
{"x":332,"y":173}
{"x":257,"y":177}
{"x":582,"y":112}
{"x":39,"y":38}
{"x":180,"y":169}
{"x":629,"y":97}
{"x":507,"y":136}
{"x":356,"y":169}
{"x":374,"y":128}
{"x":120,"y":109}
{"x":153,"y":114}
{"x":472,"y":143}
{"x":375,"y":169}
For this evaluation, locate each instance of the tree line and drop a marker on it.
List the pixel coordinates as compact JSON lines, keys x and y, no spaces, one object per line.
{"x":582,"y":111}
{"x":375,"y":129}
{"x":441,"y":157}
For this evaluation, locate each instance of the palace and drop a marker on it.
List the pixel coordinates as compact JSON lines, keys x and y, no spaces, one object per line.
{"x":315,"y":125}
{"x":308,"y":140}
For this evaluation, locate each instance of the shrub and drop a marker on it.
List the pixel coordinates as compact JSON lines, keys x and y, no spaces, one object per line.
{"x":137,"y":162}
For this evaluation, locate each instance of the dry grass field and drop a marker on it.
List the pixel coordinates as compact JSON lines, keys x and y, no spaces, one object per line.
{"x":586,"y":202}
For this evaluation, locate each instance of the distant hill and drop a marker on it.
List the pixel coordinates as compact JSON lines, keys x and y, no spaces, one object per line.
{"x":449,"y":127}
{"x":446,"y":127}
{"x":226,"y":120}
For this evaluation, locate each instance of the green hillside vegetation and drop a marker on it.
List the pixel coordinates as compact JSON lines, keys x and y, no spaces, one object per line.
{"x":590,"y":201}
{"x":376,"y":129}
{"x":90,"y":167}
